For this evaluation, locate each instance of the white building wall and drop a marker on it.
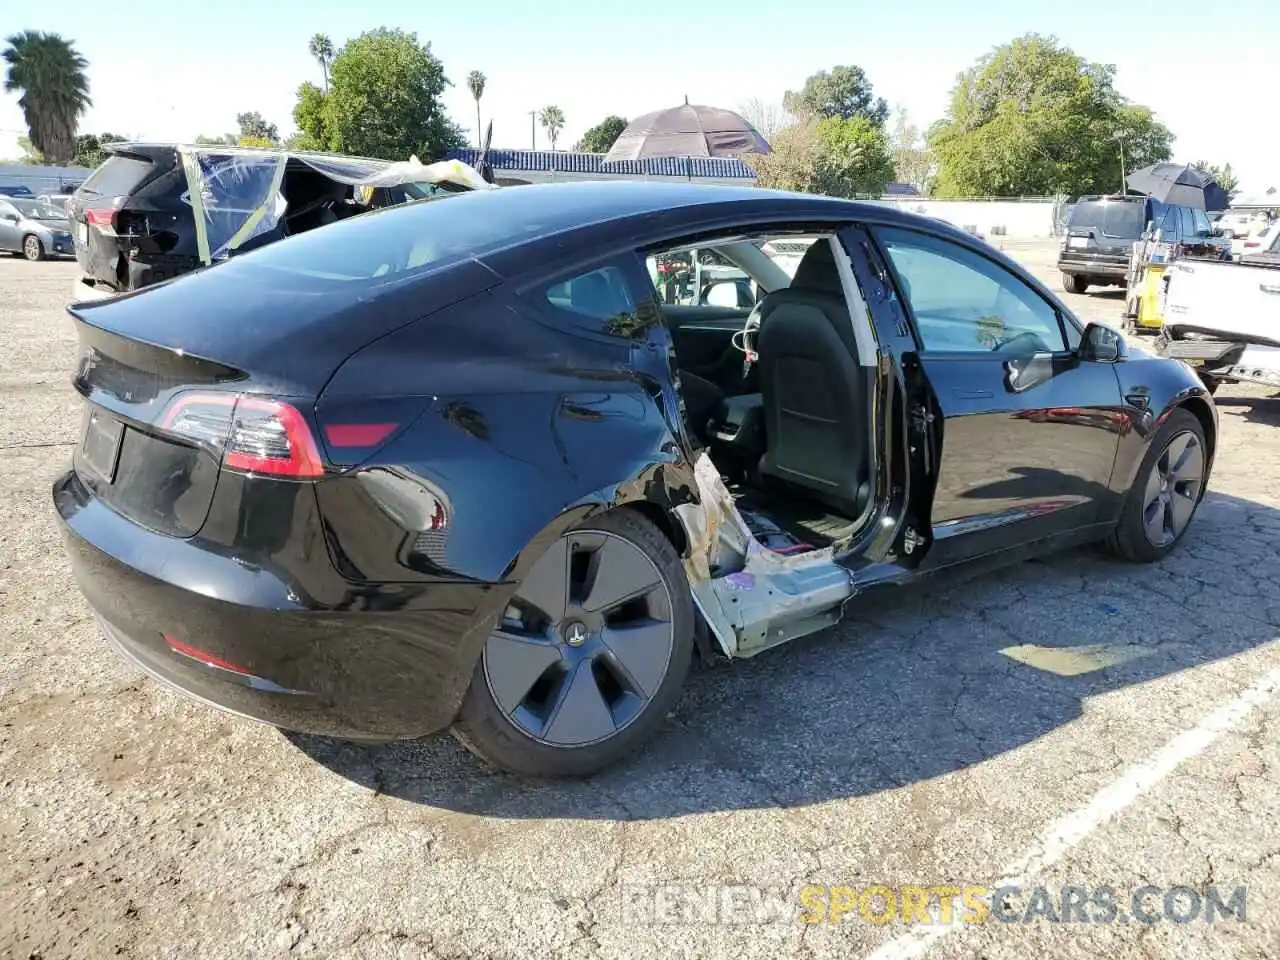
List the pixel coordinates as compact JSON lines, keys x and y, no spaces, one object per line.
{"x":1011,"y":218}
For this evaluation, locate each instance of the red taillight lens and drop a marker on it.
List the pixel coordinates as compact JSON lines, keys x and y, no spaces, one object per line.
{"x":101,"y":216}
{"x":359,"y":435}
{"x":253,"y":434}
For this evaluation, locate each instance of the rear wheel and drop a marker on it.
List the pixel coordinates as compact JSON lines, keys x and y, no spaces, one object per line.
{"x":32,"y":249}
{"x":588,"y":657}
{"x":1074,"y":284}
{"x":1165,"y":493}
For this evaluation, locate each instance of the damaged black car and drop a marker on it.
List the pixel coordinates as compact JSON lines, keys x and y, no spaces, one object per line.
{"x":459,"y":466}
{"x":151,"y":212}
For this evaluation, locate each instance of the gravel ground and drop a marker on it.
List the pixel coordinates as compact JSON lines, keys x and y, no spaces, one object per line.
{"x":928,"y":740}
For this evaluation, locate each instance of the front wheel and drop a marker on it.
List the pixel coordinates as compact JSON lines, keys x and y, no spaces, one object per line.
{"x":1165,"y":493}
{"x":32,"y":249}
{"x":1074,"y":284}
{"x":589,"y":656}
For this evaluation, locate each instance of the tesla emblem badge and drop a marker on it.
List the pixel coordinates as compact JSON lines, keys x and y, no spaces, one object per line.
{"x":575,"y":634}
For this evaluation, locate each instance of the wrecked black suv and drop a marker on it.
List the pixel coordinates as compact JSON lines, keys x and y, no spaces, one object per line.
{"x":151,"y":212}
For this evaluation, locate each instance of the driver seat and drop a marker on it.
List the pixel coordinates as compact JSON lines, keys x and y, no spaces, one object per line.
{"x":814,"y":391}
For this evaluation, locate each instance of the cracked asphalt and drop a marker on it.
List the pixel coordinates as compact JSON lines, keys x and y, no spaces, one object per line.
{"x":930,"y":739}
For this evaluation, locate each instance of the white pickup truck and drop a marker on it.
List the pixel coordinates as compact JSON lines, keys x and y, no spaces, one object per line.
{"x":1224,"y":320}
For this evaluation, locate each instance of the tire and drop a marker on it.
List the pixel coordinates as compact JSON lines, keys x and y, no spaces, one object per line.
{"x":1132,"y":538}
{"x":32,"y":248}
{"x":562,"y":644}
{"x":1074,"y":284}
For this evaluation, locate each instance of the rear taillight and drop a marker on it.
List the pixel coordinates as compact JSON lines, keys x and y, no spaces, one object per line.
{"x":252,"y":434}
{"x":101,"y":216}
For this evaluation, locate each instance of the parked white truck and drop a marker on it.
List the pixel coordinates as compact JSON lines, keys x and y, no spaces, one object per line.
{"x":1224,"y":320}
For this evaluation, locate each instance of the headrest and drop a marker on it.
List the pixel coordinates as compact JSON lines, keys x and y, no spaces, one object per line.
{"x":817,"y":270}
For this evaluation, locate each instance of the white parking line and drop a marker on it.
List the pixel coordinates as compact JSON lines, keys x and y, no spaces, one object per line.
{"x":1071,"y":829}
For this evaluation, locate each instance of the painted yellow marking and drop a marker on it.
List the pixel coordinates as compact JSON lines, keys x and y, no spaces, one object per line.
{"x":1073,"y":661}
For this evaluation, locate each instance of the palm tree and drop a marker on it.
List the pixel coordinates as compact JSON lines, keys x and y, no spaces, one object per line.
{"x":475,"y":83}
{"x":55,"y":91}
{"x":321,"y":48}
{"x":552,"y":120}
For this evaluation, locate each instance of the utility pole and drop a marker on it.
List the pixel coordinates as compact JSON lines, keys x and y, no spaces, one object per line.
{"x":533,"y":129}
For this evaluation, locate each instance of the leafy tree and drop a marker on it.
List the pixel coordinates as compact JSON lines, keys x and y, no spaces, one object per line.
{"x":55,"y":90}
{"x":1224,"y":176}
{"x":254,"y":128}
{"x":602,"y":137}
{"x":911,"y":160}
{"x":793,"y":163}
{"x":552,"y":120}
{"x":226,"y":140}
{"x":1033,"y":118}
{"x":853,"y":157}
{"x":89,"y":148}
{"x":383,"y":101}
{"x":475,"y":83}
{"x":838,"y":157}
{"x":321,"y":50}
{"x":845,"y":92}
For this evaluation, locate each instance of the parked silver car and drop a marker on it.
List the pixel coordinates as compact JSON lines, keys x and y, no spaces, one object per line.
{"x":34,"y":228}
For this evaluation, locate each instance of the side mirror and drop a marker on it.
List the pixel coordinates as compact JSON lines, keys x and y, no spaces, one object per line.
{"x":1102,"y":344}
{"x":10,"y":217}
{"x":735,"y":294}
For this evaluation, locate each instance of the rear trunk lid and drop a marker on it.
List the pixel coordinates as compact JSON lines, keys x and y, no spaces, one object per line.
{"x":230,"y":330}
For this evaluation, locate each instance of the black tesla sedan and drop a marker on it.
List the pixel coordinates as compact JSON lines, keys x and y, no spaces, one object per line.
{"x":456,"y":464}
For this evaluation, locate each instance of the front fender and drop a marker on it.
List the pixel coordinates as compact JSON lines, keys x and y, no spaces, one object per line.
{"x":1152,"y":388}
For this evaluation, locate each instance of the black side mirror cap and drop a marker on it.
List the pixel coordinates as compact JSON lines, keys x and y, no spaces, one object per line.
{"x":1102,"y":344}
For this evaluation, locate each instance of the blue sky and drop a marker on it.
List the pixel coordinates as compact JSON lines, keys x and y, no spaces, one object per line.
{"x":166,"y":70}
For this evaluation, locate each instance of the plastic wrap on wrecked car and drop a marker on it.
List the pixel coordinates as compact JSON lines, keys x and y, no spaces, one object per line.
{"x":234,"y":196}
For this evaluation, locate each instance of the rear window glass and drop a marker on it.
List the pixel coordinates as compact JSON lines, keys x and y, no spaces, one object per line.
{"x":1113,"y":218}
{"x":425,"y":233}
{"x":117,"y":176}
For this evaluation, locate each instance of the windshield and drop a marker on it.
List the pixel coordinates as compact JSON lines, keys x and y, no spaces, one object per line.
{"x":1112,"y":218}
{"x":39,"y":210}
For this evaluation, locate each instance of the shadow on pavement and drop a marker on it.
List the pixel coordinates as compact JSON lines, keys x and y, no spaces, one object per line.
{"x":917,"y":683}
{"x":1264,"y":410}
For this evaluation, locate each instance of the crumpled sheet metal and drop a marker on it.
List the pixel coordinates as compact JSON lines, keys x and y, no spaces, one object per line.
{"x":720,"y":540}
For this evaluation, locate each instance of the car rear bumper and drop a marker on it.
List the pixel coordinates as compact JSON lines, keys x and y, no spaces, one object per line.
{"x":384,"y":663}
{"x":1111,"y":269}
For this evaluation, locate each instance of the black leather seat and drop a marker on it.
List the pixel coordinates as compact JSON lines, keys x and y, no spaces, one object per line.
{"x":815,"y":397}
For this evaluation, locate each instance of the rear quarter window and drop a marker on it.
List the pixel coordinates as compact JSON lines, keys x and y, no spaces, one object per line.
{"x":117,"y":176}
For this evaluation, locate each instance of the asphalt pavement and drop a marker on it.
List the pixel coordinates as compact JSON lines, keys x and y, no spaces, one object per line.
{"x":1060,"y":729}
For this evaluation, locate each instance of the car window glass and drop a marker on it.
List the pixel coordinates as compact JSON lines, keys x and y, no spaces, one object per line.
{"x":599,"y":300}
{"x":117,"y":176}
{"x":963,"y":302}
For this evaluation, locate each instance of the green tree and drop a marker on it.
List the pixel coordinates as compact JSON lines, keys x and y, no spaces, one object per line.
{"x":602,"y":137}
{"x":833,"y":156}
{"x":845,"y":92}
{"x":552,"y":120}
{"x":1224,"y":176}
{"x":793,"y":163}
{"x":383,"y":101}
{"x":89,"y":148}
{"x":912,"y":162}
{"x":321,"y":50}
{"x":50,"y":75}
{"x":225,"y":140}
{"x":475,"y":83}
{"x":853,"y":157}
{"x":1033,"y":118}
{"x":30,"y":155}
{"x":255,"y":129}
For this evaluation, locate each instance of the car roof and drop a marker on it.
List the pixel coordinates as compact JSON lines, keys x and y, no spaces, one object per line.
{"x":583,"y":203}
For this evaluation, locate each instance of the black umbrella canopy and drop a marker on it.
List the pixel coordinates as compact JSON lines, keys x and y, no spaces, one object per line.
{"x":689,"y":130}
{"x":1175,"y":183}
